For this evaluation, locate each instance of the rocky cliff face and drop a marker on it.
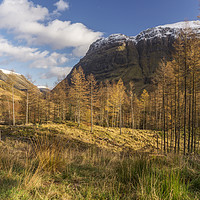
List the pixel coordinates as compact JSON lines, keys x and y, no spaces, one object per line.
{"x":132,"y":58}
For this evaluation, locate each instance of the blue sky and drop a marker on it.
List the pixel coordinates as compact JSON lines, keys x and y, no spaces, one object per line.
{"x":45,"y":38}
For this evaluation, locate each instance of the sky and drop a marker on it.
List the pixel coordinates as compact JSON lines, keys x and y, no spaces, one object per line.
{"x":44,"y":39}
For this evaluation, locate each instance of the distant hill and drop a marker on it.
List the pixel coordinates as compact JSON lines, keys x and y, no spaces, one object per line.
{"x":43,"y":89}
{"x":18,"y":91}
{"x":18,"y":80}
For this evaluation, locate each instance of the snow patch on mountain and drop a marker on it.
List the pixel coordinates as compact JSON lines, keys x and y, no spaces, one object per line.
{"x":5,"y":71}
{"x":182,"y":25}
{"x":42,"y":87}
{"x":159,"y":31}
{"x":111,"y":39}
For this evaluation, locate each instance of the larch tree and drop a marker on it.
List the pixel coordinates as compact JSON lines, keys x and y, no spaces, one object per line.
{"x":78,"y":92}
{"x":92,"y":96}
{"x":120,"y":99}
{"x":11,"y":83}
{"x":108,"y":91}
{"x":144,"y":101}
{"x":164,"y":78}
{"x":131,"y":85}
{"x":101,"y":104}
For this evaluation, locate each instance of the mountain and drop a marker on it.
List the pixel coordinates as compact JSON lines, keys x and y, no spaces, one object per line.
{"x":19,"y":81}
{"x":133,"y":58}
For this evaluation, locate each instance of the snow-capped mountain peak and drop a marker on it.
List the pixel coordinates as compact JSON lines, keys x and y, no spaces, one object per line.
{"x":182,"y":25}
{"x":158,"y":31}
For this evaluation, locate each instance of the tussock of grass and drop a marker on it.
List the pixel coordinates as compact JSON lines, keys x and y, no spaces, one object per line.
{"x":48,"y":153}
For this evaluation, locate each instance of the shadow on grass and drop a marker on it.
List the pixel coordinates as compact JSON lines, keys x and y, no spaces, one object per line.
{"x":76,"y":173}
{"x":7,"y":184}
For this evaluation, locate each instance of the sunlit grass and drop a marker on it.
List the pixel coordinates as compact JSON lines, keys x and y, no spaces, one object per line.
{"x":66,"y":162}
{"x":108,"y":138}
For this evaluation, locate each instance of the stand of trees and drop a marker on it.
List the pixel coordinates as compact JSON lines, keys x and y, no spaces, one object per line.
{"x":172,"y":107}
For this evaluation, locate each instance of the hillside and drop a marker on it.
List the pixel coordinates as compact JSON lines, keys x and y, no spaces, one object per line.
{"x":18,"y":80}
{"x":133,"y":58}
{"x":103,"y":138}
{"x":18,"y":92}
{"x":6,"y":90}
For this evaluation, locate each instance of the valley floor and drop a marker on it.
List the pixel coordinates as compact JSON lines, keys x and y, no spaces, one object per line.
{"x":64,"y":161}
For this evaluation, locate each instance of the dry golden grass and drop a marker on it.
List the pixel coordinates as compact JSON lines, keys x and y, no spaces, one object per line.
{"x":64,"y":161}
{"x":28,"y":166}
{"x":108,"y":138}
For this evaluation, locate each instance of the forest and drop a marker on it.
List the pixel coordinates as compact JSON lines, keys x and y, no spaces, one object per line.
{"x":171,"y":105}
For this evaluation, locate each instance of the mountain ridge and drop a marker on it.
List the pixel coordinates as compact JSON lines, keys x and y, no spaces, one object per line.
{"x":150,"y":33}
{"x":120,"y":56}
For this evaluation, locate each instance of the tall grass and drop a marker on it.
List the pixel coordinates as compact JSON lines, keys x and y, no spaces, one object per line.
{"x":44,"y":167}
{"x":48,"y":152}
{"x":135,"y":177}
{"x":151,"y":181}
{"x":25,"y":167}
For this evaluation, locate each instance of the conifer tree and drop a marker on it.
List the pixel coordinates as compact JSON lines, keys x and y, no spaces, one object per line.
{"x":78,"y":92}
{"x":101,"y":104}
{"x":131,"y":84}
{"x":92,"y":94}
{"x":144,"y":100}
{"x":121,"y":95}
{"x":164,"y":78}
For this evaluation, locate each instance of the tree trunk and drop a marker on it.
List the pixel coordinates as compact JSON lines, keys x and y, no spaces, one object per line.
{"x":91,"y":104}
{"x":164,"y":118}
{"x":27,"y":107}
{"x":13,"y":105}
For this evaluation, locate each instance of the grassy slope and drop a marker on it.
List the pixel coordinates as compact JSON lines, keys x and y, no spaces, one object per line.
{"x":6,"y":90}
{"x":68,"y":162}
{"x":107,"y":138}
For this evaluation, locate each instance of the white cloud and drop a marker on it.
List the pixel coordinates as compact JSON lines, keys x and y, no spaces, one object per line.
{"x":32,"y":23}
{"x":80,"y":50}
{"x":33,"y":28}
{"x":59,"y":72}
{"x":52,"y":62}
{"x":15,"y":12}
{"x":61,"y":5}
{"x":37,"y":59}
